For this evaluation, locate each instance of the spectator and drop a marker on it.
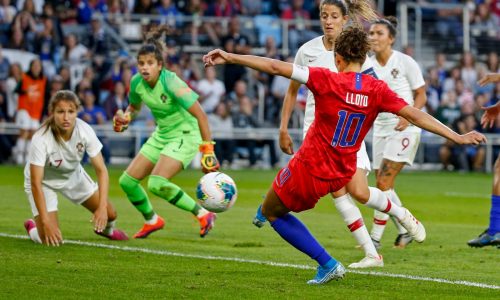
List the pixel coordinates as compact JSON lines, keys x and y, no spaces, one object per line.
{"x":5,"y":142}
{"x":73,"y":52}
{"x":468,"y":70}
{"x":7,"y":13}
{"x":15,"y":76}
{"x":117,"y":100}
{"x":211,"y":90}
{"x":449,"y":82}
{"x":98,"y":42}
{"x":232,"y":72}
{"x":144,"y":7}
{"x":170,"y":15}
{"x":299,"y":30}
{"x":244,"y":118}
{"x":31,"y":92}
{"x":47,"y":47}
{"x":222,"y":126}
{"x":4,"y":68}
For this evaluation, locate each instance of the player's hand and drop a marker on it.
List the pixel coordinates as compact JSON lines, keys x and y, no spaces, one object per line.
{"x":471,"y":138}
{"x":490,"y":116}
{"x":209,"y":162}
{"x":53,"y":236}
{"x":216,"y":57}
{"x":286,"y":143}
{"x":489,"y":78}
{"x":100,"y":219}
{"x":402,"y":124}
{"x":121,"y":121}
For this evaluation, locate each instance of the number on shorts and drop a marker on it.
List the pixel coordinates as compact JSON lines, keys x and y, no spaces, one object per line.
{"x":346,"y":121}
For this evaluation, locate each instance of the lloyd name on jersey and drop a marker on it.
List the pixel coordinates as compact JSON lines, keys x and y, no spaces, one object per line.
{"x":356,"y":99}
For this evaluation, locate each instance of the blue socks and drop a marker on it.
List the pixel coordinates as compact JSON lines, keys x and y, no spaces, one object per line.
{"x":494,"y":215}
{"x":297,"y":235}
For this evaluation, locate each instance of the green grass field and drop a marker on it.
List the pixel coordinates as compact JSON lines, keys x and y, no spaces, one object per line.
{"x":238,"y":261}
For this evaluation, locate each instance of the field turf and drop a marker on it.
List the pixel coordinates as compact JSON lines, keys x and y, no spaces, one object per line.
{"x":239,"y":261}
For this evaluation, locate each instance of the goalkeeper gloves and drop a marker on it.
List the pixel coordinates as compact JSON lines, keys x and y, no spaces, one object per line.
{"x":209,"y":162}
{"x":121,"y":121}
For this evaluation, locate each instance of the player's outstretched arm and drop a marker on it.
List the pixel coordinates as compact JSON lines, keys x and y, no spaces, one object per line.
{"x":429,"y":123}
{"x":263,"y":64}
{"x":489,"y":78}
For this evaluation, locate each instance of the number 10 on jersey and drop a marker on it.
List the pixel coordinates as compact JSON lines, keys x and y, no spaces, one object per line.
{"x":343,"y":128}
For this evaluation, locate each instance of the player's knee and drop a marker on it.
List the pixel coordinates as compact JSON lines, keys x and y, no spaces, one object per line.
{"x":360,"y":193}
{"x":162,"y":187}
{"x":127,"y":182}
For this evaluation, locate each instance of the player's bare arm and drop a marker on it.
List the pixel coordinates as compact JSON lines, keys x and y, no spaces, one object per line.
{"x":51,"y":233}
{"x":286,"y":143}
{"x":263,"y":64}
{"x":429,"y":123}
{"x":100,"y":217}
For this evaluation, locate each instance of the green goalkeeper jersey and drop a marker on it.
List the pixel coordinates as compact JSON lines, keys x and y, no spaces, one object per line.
{"x":168,"y":100}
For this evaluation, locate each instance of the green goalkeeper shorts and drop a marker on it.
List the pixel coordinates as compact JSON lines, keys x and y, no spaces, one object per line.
{"x":182,"y":147}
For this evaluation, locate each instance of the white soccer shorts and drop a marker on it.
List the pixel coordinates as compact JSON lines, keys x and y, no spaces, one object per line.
{"x":401,"y":146}
{"x":25,"y":122}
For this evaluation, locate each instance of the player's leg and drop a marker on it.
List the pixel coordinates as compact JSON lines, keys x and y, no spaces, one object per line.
{"x":35,"y":228}
{"x":354,"y":220}
{"x":159,"y":184}
{"x":292,"y":229}
{"x":386,"y":177}
{"x":110,"y":232}
{"x":491,"y":236}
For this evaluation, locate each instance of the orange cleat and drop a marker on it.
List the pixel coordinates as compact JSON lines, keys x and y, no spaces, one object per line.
{"x":206,"y":223}
{"x":147,"y":229}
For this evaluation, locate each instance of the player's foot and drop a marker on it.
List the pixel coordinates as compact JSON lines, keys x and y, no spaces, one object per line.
{"x":326,"y":274}
{"x":116,"y":235}
{"x":368,"y":262}
{"x":259,"y":220}
{"x":207,"y":222}
{"x":484,"y":239}
{"x":415,"y":228}
{"x":147,"y":229}
{"x":28,"y":225}
{"x":403,"y":240}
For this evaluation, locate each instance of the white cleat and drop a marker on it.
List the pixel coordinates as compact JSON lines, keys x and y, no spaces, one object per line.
{"x":415,"y":228}
{"x":368,"y":262}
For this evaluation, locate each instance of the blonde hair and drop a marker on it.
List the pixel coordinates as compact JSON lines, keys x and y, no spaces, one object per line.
{"x":50,"y":123}
{"x":355,"y":9}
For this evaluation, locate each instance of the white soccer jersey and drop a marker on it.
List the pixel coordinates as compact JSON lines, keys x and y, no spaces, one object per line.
{"x":403,"y":75}
{"x":61,"y":161}
{"x":314,"y":54}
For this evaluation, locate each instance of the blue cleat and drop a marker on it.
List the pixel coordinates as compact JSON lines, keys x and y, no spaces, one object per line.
{"x":259,"y":220}
{"x":484,"y":239}
{"x":326,"y":274}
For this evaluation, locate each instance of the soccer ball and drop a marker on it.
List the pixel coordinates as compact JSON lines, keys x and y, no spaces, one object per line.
{"x":216,"y":192}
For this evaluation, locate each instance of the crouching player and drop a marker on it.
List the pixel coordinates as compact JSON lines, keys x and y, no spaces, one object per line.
{"x":347,"y":104}
{"x":53,"y":166}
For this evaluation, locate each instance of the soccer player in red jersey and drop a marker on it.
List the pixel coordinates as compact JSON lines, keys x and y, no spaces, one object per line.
{"x":347,"y":104}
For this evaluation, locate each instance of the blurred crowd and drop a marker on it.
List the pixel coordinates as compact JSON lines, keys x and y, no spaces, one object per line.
{"x":48,"y":45}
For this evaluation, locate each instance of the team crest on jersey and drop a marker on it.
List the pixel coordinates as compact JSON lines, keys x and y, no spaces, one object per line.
{"x":163,"y":98}
{"x":79,"y":147}
{"x":395,"y":73}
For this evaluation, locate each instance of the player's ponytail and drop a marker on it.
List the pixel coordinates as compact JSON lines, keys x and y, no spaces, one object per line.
{"x":355,"y":9}
{"x":49,"y":123}
{"x":153,"y":43}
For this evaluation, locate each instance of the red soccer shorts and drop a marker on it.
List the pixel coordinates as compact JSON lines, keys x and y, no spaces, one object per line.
{"x":299,"y":191}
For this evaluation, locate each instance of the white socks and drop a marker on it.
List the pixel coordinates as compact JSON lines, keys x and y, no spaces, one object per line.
{"x":354,"y":221}
{"x":33,"y":233}
{"x":379,"y":201}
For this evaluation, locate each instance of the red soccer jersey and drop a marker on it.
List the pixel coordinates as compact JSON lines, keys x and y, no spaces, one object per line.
{"x":346,"y":107}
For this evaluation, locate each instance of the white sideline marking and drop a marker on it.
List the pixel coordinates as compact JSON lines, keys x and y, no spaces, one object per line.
{"x":263,"y":262}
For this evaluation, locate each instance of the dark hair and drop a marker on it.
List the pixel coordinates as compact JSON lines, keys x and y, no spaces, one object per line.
{"x":49,"y":123}
{"x":153,"y":43}
{"x":352,"y":8}
{"x":391,"y":23}
{"x":352,"y":44}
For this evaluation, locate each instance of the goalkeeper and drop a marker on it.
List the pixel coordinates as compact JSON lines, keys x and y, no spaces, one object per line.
{"x":182,"y":130}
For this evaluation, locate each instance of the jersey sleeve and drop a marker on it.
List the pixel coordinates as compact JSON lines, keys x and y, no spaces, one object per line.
{"x":132,"y":95}
{"x":414,"y":74}
{"x":38,"y":151}
{"x":388,"y":100}
{"x":94,"y":146}
{"x":179,"y":90}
